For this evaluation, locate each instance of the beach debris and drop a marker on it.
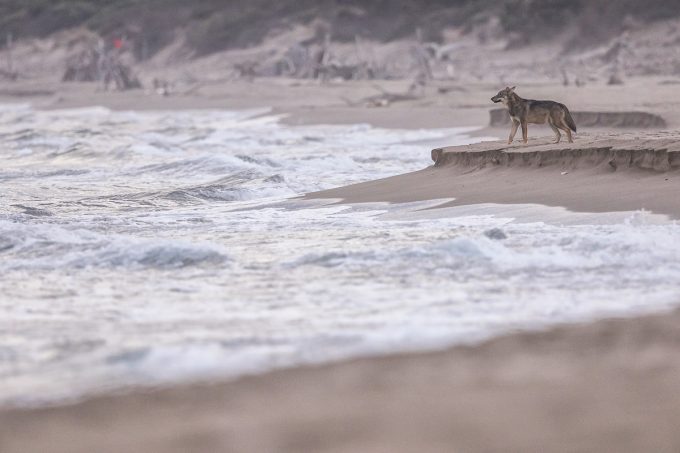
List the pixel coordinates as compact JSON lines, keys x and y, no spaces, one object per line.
{"x":161,"y":87}
{"x":495,"y":234}
{"x":82,"y":67}
{"x":246,"y":70}
{"x":422,"y":55}
{"x":386,"y":98}
{"x":323,"y":59}
{"x":564,"y":173}
{"x":9,"y":73}
{"x":449,"y":89}
{"x":565,"y":78}
{"x":98,"y":64}
{"x":312,"y":61}
{"x":6,"y":75}
{"x":615,"y":79}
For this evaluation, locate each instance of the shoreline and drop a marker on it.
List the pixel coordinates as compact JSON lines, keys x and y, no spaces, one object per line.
{"x":643,"y":170}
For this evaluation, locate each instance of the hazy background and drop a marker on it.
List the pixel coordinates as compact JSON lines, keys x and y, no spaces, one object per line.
{"x":175,"y":42}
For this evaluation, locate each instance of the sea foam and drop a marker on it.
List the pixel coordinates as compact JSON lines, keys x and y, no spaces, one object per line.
{"x":139,"y":248}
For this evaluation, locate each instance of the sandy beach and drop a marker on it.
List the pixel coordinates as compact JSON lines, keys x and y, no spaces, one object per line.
{"x":443,"y":104}
{"x":297,"y":227}
{"x":607,"y":386}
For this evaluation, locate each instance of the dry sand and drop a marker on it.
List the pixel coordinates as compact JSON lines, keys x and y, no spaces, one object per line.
{"x":443,"y":104}
{"x":607,"y":386}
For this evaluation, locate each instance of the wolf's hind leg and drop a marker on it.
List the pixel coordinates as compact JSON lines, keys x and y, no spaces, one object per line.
{"x":565,"y":127}
{"x":513,"y":131}
{"x":556,"y":130}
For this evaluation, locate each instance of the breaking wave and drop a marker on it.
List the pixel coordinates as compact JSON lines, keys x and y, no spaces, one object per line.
{"x":45,"y":247}
{"x":138,"y":248}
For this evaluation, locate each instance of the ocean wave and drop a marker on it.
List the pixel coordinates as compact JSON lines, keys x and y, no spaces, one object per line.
{"x":548,"y":250}
{"x":238,"y":187}
{"x":329,"y":259}
{"x":210,"y":164}
{"x":45,"y":246}
{"x":153,"y":203}
{"x":156,"y":254}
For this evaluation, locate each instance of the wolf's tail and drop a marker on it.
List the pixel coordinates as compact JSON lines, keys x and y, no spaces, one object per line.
{"x":569,"y":119}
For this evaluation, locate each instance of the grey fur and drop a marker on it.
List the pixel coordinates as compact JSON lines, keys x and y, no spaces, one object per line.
{"x":525,"y":111}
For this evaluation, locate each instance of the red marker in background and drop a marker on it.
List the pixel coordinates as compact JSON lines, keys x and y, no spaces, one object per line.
{"x":117,"y":43}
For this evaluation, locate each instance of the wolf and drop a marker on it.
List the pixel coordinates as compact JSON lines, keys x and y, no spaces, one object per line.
{"x":524,"y":111}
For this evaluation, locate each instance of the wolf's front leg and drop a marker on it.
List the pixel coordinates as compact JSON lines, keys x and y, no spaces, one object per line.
{"x":513,"y":131}
{"x":525,"y":137}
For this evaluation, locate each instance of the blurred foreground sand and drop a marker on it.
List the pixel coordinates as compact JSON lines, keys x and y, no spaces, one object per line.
{"x":609,"y":386}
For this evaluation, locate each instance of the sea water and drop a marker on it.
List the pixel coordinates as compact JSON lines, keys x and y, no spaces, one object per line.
{"x":141,"y":249}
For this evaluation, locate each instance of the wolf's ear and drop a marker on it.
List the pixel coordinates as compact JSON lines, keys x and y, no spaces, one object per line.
{"x":512,"y":89}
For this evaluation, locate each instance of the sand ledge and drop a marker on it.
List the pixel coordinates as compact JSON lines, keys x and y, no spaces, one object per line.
{"x":650,"y":153}
{"x":643,"y":170}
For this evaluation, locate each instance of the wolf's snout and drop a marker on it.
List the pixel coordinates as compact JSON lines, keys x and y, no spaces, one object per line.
{"x":495,"y":100}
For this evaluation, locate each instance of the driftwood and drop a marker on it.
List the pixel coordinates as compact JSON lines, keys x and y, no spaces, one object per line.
{"x":422,"y":57}
{"x":318,"y":62}
{"x":384,"y":99}
{"x":83,"y":67}
{"x":96,"y":65}
{"x":119,"y":75}
{"x":344,"y":72}
{"x":615,"y":79}
{"x":450,"y":88}
{"x":8,"y":75}
{"x":565,"y":78}
{"x":161,"y":86}
{"x":246,"y":70}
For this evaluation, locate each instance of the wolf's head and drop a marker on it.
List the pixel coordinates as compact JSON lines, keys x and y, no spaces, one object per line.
{"x":504,"y":95}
